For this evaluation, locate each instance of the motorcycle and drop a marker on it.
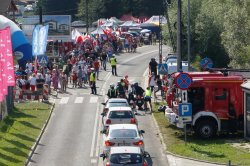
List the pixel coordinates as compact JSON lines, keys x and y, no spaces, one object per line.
{"x":139,"y":102}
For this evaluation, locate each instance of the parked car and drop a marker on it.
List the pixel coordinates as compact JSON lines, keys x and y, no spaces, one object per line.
{"x":125,"y":155}
{"x":123,"y":135}
{"x":118,"y":115}
{"x":114,"y":102}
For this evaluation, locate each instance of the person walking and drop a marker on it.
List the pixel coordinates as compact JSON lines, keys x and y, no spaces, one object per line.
{"x":92,"y":81}
{"x":104,"y":60}
{"x":147,"y":98}
{"x":153,"y":66}
{"x":112,"y":92}
{"x":113,"y":65}
{"x":151,"y":81}
{"x":96,"y":65}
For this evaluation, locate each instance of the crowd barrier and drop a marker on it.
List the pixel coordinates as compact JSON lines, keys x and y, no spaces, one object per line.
{"x":21,"y":94}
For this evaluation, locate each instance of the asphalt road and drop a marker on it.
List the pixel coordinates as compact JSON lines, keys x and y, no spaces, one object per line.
{"x":73,"y":138}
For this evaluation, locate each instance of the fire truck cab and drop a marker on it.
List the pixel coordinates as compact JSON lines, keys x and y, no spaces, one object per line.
{"x":217,"y":103}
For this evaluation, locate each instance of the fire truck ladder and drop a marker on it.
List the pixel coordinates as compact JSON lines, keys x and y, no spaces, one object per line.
{"x":243,"y":72}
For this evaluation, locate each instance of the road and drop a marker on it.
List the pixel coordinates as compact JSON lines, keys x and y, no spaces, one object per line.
{"x":73,"y":134}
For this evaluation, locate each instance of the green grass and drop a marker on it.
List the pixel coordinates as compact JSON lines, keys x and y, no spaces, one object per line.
{"x":214,"y":150}
{"x":19,"y":131}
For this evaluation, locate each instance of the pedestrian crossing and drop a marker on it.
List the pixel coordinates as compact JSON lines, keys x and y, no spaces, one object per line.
{"x":77,"y":100}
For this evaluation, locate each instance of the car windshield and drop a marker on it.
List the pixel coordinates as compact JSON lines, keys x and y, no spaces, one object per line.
{"x":123,"y":133}
{"x":118,"y":104}
{"x":126,"y":159}
{"x":120,"y":114}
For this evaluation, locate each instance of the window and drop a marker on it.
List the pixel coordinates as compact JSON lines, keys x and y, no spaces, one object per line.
{"x":120,"y":114}
{"x":220,"y":94}
{"x":118,"y":104}
{"x":123,"y":133}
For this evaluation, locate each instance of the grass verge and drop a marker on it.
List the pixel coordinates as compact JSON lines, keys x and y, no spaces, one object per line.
{"x":19,"y":131}
{"x":215,"y":150}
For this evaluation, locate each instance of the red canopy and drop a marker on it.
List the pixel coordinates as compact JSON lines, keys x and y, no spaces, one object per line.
{"x":128,"y":18}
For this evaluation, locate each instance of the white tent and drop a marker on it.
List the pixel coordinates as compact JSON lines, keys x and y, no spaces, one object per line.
{"x":98,"y":31}
{"x":130,"y":24}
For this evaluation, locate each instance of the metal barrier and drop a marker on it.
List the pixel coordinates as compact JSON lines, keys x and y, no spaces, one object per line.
{"x":20,"y":94}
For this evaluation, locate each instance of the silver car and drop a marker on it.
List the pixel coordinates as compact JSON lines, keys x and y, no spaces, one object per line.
{"x":115,"y":102}
{"x":119,"y":115}
{"x":123,"y":135}
{"x":126,"y":155}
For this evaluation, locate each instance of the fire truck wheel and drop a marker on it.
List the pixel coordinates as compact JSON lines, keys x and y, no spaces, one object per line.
{"x":205,"y":129}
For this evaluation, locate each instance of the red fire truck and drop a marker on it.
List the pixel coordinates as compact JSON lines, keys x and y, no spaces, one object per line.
{"x":217,"y":103}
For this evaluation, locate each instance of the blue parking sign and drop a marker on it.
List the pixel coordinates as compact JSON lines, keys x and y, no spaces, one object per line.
{"x":185,"y":109}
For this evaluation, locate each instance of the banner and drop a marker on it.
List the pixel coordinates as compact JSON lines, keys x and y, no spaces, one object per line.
{"x":35,"y":39}
{"x":9,"y":59}
{"x":39,"y":41}
{"x":3,"y":61}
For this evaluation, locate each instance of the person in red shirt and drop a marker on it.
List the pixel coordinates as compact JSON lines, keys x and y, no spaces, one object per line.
{"x":96,"y":65}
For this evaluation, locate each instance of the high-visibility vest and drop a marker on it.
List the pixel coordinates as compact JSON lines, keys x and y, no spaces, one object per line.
{"x":112,"y":61}
{"x":148,"y":93}
{"x":92,"y":77}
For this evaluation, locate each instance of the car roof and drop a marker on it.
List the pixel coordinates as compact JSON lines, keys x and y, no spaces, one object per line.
{"x":120,"y":109}
{"x":117,"y":100}
{"x":125,"y":149}
{"x":123,"y":126}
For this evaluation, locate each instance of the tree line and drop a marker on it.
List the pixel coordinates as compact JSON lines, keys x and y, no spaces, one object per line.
{"x":220,"y":29}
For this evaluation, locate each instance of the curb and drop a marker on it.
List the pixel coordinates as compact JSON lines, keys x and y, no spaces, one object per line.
{"x":40,"y":136}
{"x":176,"y":155}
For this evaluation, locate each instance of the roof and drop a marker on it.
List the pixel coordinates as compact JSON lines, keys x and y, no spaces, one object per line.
{"x":246,"y":85}
{"x":125,"y":149}
{"x":123,"y":126}
{"x":120,"y":109}
{"x":117,"y":99}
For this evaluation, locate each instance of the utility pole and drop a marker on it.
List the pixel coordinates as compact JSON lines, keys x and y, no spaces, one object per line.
{"x":160,"y":39}
{"x":189,"y":36}
{"x":41,"y":13}
{"x":179,"y":36}
{"x":87,"y":15}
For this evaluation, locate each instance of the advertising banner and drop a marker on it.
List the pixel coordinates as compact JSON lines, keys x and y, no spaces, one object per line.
{"x":3,"y":61}
{"x":35,"y":39}
{"x":59,"y":26}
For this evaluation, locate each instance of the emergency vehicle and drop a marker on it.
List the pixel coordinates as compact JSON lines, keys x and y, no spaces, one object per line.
{"x":217,"y":103}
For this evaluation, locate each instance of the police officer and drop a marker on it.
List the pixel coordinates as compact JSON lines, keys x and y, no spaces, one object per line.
{"x":112,"y":92}
{"x":92,"y":81}
{"x":113,"y":65}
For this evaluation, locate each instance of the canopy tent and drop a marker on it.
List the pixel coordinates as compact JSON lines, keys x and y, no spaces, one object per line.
{"x":155,"y":20}
{"x":130,"y":24}
{"x":128,"y":18}
{"x":20,"y":43}
{"x":99,"y":22}
{"x":116,"y":20}
{"x":98,"y":31}
{"x":109,"y":24}
{"x":78,"y":24}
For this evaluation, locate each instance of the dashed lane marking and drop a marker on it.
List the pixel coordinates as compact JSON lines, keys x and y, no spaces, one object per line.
{"x":93,"y":100}
{"x":64,"y":100}
{"x":79,"y":100}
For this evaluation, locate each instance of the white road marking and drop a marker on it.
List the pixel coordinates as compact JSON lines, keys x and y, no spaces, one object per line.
{"x":93,"y":161}
{"x":98,"y":137}
{"x":79,"y":100}
{"x":64,"y":100}
{"x":94,"y":133}
{"x":93,"y":100}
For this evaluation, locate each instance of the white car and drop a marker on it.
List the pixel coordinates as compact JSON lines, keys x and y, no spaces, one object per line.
{"x":123,"y":135}
{"x":125,"y":155}
{"x":115,"y":102}
{"x":119,"y":115}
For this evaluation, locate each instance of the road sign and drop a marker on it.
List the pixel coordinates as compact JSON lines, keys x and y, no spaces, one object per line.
{"x":185,"y":112}
{"x":162,"y":68}
{"x":42,"y":60}
{"x":206,"y":63}
{"x":184,"y":96}
{"x":183,"y":81}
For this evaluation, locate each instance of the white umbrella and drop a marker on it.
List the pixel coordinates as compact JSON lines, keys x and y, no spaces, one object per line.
{"x":145,"y":31}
